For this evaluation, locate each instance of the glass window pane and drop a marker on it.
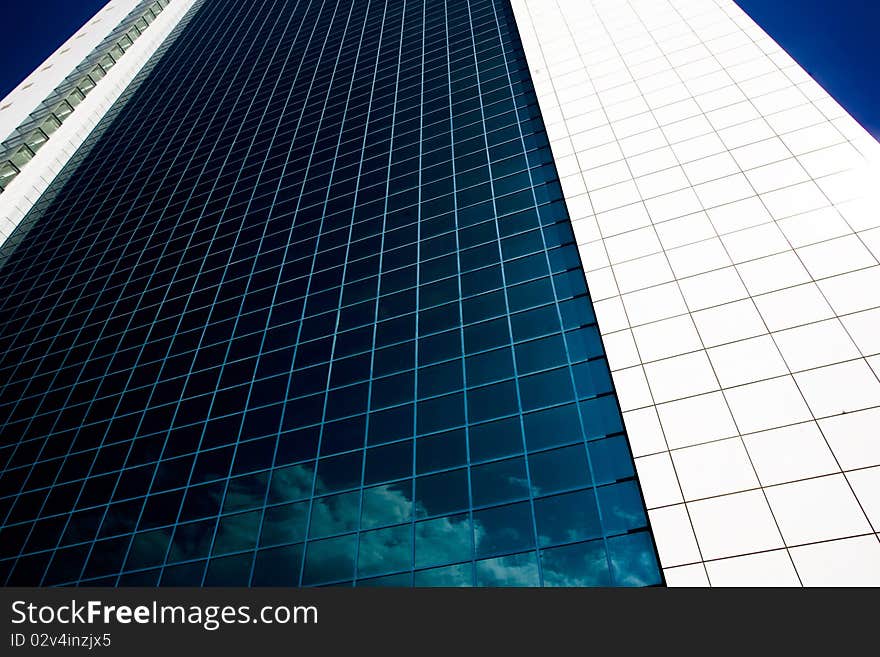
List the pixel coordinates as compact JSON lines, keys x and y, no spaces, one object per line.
{"x":584,"y":343}
{"x":503,"y":529}
{"x":540,"y":354}
{"x":512,"y":570}
{"x":75,"y":97}
{"x":577,"y":313}
{"x":492,"y":401}
{"x":291,"y":483}
{"x":440,"y":413}
{"x":500,"y":481}
{"x":238,"y":532}
{"x":246,"y":492}
{"x":8,"y":171}
{"x":582,"y":564}
{"x":440,"y":379}
{"x":387,"y":504}
{"x":622,"y":508}
{"x":441,"y":451}
{"x":448,"y":576}
{"x":524,"y":269}
{"x":390,"y":424}
{"x":441,"y":493}
{"x":50,"y":124}
{"x":438,"y":347}
{"x":528,"y":295}
{"x":343,"y":435}
{"x":533,"y":323}
{"x":485,"y":306}
{"x":559,"y":469}
{"x":202,"y":501}
{"x":546,"y":389}
{"x":489,"y":366}
{"x":188,"y":574}
{"x":392,"y":390}
{"x":611,"y":459}
{"x":296,"y":446}
{"x":388,"y":462}
{"x":401,"y":580}
{"x":148,"y":548}
{"x":553,"y":426}
{"x":22,"y":156}
{"x":482,"y":280}
{"x":36,"y":139}
{"x":339,"y":472}
{"x":191,"y":541}
{"x":592,"y":378}
{"x":601,"y":416}
{"x":496,"y":439}
{"x":142,"y":578}
{"x":567,"y":517}
{"x":394,"y":358}
{"x":85,"y":85}
{"x":229,"y":571}
{"x":385,"y":550}
{"x":285,"y":524}
{"x":62,"y":110}
{"x":334,"y":514}
{"x":329,"y":560}
{"x":569,"y":284}
{"x":633,"y":560}
{"x":443,"y":540}
{"x":486,"y":335}
{"x":278,"y":566}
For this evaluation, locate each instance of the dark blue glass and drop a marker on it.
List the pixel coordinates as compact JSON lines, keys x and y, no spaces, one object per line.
{"x":306,"y":309}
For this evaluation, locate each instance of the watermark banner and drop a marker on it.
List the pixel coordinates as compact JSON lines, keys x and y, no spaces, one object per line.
{"x":251,"y":622}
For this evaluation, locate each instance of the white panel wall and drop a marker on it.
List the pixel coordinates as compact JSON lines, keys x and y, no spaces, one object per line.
{"x":35,"y":177}
{"x":728,"y":219}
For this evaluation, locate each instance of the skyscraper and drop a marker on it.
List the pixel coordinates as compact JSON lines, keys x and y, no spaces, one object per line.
{"x":295,"y":292}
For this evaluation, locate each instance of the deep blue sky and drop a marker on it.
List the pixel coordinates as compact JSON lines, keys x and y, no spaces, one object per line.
{"x":32,"y":30}
{"x":835,"y":40}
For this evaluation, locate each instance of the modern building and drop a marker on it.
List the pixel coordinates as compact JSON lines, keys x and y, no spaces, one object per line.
{"x":455,"y":293}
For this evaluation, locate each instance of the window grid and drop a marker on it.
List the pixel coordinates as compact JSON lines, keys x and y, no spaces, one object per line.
{"x":345,"y":346}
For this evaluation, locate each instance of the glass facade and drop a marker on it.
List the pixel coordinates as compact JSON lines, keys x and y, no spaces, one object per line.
{"x":309,"y":311}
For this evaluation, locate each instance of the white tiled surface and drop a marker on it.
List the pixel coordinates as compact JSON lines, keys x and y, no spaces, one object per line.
{"x":35,"y":177}
{"x":728,"y":218}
